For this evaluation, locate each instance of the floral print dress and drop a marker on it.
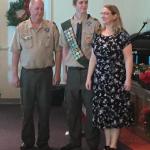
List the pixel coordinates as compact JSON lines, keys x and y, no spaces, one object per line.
{"x":111,"y":103}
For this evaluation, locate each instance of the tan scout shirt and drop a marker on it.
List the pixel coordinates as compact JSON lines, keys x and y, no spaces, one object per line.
{"x":36,"y":46}
{"x":89,"y":27}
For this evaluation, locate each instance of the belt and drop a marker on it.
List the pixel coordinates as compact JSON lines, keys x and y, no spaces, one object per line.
{"x":37,"y":69}
{"x":77,"y":68}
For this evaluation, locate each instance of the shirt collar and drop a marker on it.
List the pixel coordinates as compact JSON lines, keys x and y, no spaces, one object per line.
{"x":75,"y":19}
{"x":42,"y":25}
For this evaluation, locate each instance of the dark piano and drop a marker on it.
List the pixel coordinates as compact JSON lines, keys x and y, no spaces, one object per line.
{"x":141,"y":47}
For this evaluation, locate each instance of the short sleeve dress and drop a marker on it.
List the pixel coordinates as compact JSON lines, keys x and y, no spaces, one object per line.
{"x":111,"y":103}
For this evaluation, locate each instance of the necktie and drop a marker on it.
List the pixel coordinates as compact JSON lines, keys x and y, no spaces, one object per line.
{"x":79,"y":34}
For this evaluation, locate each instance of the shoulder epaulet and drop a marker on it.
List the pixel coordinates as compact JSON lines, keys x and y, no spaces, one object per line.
{"x":48,"y":23}
{"x":88,"y":16}
{"x":23,"y":23}
{"x":55,"y":24}
{"x":95,"y":19}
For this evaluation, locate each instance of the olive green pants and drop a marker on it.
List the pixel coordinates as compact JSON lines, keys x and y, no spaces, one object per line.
{"x":76,"y":96}
{"x":35,"y":88}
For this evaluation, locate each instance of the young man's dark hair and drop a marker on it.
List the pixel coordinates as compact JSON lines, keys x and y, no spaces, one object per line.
{"x":75,"y":2}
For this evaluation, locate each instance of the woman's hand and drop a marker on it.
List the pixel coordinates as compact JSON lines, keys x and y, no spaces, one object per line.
{"x":127,"y":85}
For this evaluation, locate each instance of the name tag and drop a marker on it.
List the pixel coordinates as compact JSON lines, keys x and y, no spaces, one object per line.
{"x":29,"y":37}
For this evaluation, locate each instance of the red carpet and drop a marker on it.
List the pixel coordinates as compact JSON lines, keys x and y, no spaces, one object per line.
{"x":133,"y":141}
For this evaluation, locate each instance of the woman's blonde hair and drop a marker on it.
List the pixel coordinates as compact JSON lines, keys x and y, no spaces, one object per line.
{"x":117,"y":24}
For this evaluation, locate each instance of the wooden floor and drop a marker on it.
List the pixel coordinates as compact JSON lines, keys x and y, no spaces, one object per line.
{"x":10,"y":128}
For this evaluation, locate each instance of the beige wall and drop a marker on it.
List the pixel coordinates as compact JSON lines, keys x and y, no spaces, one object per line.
{"x":63,"y":9}
{"x":3,"y":23}
{"x":133,"y":13}
{"x":6,"y":90}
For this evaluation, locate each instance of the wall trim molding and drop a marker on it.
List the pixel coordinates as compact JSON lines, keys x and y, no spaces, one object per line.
{"x":10,"y":101}
{"x":3,"y":48}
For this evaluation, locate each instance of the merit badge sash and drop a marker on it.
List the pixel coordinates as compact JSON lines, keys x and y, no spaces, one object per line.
{"x":77,"y":53}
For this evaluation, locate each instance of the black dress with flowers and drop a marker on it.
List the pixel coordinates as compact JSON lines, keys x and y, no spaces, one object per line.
{"x":111,"y":103}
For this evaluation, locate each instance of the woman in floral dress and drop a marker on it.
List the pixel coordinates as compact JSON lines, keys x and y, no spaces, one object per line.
{"x":109,"y":76}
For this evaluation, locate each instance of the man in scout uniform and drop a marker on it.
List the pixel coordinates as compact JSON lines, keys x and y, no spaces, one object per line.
{"x":76,"y":38}
{"x":33,"y":44}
